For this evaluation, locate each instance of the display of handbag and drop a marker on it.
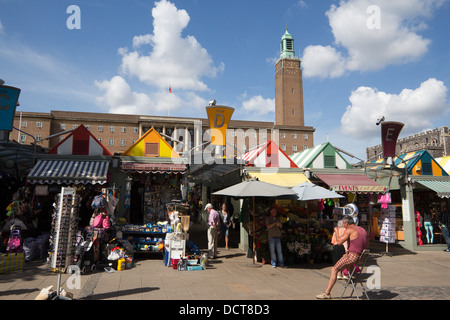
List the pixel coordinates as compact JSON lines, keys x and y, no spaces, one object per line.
{"x":98,"y":221}
{"x":14,"y":242}
{"x":12,"y":262}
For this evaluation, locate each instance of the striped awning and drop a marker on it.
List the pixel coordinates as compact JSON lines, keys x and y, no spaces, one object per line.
{"x":69,"y":172}
{"x":442,"y":188}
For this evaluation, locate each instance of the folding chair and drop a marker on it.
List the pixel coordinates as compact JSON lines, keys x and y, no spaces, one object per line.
{"x":355,"y":276}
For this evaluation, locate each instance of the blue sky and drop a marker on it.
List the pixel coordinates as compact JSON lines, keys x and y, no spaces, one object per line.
{"x":360,"y":58}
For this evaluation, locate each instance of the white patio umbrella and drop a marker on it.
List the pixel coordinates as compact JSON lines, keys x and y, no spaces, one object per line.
{"x":310,"y":191}
{"x":255,"y":188}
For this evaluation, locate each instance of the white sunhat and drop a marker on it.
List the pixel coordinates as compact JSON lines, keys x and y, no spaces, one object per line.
{"x":209,"y":205}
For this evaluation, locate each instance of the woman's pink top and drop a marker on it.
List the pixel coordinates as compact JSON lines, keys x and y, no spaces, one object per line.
{"x":360,"y":243}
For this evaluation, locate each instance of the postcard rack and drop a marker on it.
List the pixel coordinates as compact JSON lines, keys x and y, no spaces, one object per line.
{"x":65,"y":222}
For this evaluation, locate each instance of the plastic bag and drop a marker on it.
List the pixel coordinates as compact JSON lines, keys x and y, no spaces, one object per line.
{"x":98,"y":221}
{"x":106,"y":223}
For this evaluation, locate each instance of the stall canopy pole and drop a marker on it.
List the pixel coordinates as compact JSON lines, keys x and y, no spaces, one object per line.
{"x":254,"y":230}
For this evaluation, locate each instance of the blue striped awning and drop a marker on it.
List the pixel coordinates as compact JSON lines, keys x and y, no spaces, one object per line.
{"x":69,"y":172}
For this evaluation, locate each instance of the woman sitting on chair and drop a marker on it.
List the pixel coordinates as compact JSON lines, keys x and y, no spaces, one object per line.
{"x":357,"y":242}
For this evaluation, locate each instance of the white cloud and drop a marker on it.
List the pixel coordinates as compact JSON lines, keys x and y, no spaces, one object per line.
{"x":323,"y":62}
{"x":119,"y":98}
{"x":257,"y":105}
{"x":368,"y":46}
{"x":174,"y":60}
{"x":159,"y":60}
{"x":415,"y":108}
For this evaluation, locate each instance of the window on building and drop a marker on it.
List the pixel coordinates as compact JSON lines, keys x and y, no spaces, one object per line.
{"x":283,"y":147}
{"x":134,"y":141}
{"x":294,"y":136}
{"x":283,"y":135}
{"x":24,"y":123}
{"x":111,"y":141}
{"x":294,"y":148}
{"x":75,"y":126}
{"x":135,"y":130}
{"x":111,"y":128}
{"x":38,"y":137}
{"x":305,"y":136}
{"x":123,"y":142}
{"x":63,"y":126}
{"x":305,"y":147}
{"x":39,"y":124}
{"x":23,"y":138}
{"x":88,"y":127}
{"x":124,"y":129}
{"x":100,"y":140}
{"x":100,"y":128}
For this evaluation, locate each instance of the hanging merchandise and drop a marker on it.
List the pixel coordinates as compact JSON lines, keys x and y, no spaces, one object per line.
{"x":384,"y":199}
{"x":99,"y":202}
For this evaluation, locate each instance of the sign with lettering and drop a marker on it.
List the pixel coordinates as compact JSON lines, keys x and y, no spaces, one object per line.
{"x":219,"y":117}
{"x":8,"y":102}
{"x":390,"y":131}
{"x":357,"y":188}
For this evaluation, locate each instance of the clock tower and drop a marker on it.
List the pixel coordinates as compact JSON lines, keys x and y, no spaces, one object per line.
{"x":288,"y":86}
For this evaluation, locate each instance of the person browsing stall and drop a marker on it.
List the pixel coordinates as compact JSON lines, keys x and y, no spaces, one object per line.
{"x":356,"y":237}
{"x":274,"y":225}
{"x":213,"y":230}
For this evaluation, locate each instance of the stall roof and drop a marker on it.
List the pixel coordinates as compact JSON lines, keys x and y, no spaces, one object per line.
{"x":444,"y":162}
{"x":418,"y":163}
{"x":69,"y":171}
{"x":268,"y":155}
{"x":324,"y":155}
{"x":80,"y":142}
{"x":151,"y":145}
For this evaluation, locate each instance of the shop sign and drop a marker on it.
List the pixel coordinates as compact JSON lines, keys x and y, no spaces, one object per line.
{"x":9,"y":97}
{"x":355,"y":188}
{"x":153,"y":167}
{"x":390,"y":131}
{"x":219,"y":117}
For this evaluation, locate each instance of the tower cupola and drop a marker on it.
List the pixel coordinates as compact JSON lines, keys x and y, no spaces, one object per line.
{"x":287,"y":46}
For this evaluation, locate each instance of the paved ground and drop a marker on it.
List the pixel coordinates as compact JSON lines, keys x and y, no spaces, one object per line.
{"x":406,"y":275}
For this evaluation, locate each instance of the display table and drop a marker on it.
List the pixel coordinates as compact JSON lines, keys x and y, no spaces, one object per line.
{"x":147,"y":238}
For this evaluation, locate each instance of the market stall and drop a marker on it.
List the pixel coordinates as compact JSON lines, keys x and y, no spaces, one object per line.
{"x":155,"y":178}
{"x":430,"y":184}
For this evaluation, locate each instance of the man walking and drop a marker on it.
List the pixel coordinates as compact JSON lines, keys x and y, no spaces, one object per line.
{"x":213,"y":230}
